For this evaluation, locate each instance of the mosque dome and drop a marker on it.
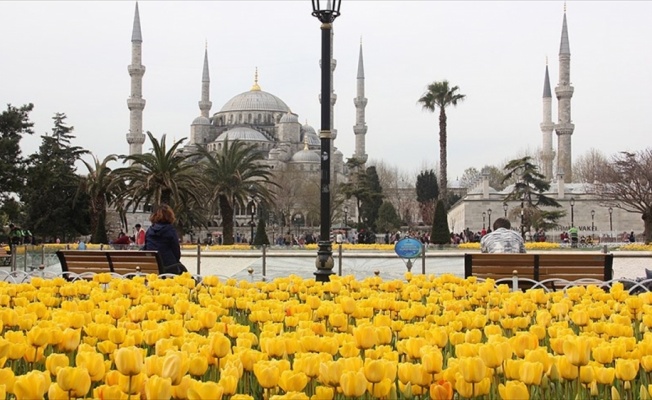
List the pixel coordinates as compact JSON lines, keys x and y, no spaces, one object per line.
{"x":309,"y":129}
{"x":306,"y":156}
{"x":255,"y":100}
{"x":312,"y":139}
{"x":289,"y":117}
{"x":242,"y":133}
{"x":201,"y":120}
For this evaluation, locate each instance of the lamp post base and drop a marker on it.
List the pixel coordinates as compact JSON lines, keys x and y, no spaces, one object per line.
{"x":324,"y":262}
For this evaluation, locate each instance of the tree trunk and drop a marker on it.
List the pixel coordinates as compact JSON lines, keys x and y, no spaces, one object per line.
{"x":647,"y":224}
{"x":443,"y":164}
{"x":226,"y":209}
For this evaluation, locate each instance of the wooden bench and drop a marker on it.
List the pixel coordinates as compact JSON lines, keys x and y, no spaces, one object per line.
{"x":552,"y":268}
{"x":5,"y":258}
{"x":115,"y":261}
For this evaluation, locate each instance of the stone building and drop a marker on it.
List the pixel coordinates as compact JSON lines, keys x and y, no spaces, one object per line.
{"x":255,"y":117}
{"x":483,"y":204}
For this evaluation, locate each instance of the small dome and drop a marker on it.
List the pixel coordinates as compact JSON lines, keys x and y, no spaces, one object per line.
{"x":312,"y":139}
{"x":306,"y":156}
{"x":289,"y":117}
{"x":242,"y":133}
{"x":309,"y":129}
{"x":201,"y":120}
{"x":255,"y":100}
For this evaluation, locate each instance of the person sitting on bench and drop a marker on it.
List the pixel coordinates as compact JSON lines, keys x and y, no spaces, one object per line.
{"x":502,"y":239}
{"x":162,"y":237}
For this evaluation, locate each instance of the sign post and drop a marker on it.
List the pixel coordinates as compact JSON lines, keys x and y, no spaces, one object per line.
{"x":408,"y":249}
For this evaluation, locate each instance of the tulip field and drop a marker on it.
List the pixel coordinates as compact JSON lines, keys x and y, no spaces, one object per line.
{"x":422,"y":337}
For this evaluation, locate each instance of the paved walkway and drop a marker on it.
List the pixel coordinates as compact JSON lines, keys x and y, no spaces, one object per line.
{"x":361,"y":264}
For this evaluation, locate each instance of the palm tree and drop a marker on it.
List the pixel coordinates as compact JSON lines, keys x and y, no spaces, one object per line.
{"x":164,"y":176}
{"x":102,"y":188}
{"x":441,"y":95}
{"x":234,"y":175}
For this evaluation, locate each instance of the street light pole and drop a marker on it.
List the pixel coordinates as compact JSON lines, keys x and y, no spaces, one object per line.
{"x":346,"y":222}
{"x":326,"y":14}
{"x":611,"y":225}
{"x":252,"y":211}
{"x":522,"y":215}
{"x":484,"y":214}
{"x":572,"y":204}
{"x":592,"y":224}
{"x":505,"y":209}
{"x":489,"y":214}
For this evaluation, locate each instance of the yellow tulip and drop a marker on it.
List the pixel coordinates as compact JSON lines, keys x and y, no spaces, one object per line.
{"x":197,"y":365}
{"x":490,"y":355}
{"x":531,"y":372}
{"x":117,"y":335}
{"x":380,"y":390}
{"x":615,"y":395}
{"x":321,"y":393}
{"x":432,"y":360}
{"x":468,"y":389}
{"x":587,"y":374}
{"x":513,"y":390}
{"x":292,"y":381}
{"x":646,"y":363}
{"x":604,"y":376}
{"x":205,"y":391}
{"x":524,"y":341}
{"x":158,"y":388}
{"x":129,"y":361}
{"x":132,"y":384}
{"x":353,"y":384}
{"x":93,"y":362}
{"x":473,"y":369}
{"x":567,"y":370}
{"x":603,"y":354}
{"x":38,"y":336}
{"x":31,"y":386}
{"x":74,"y":380}
{"x":267,"y":375}
{"x":374,"y":370}
{"x":70,"y":340}
{"x":55,"y":361}
{"x":175,"y":367}
{"x":220,"y":345}
{"x":56,"y":393}
{"x":330,"y":372}
{"x":7,"y":378}
{"x":626,"y":370}
{"x":577,"y":350}
{"x":229,"y":384}
{"x":365,"y":336}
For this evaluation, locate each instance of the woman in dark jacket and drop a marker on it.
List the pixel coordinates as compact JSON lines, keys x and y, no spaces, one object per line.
{"x":162,"y":237}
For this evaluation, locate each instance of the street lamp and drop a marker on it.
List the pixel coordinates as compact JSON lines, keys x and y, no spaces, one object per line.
{"x":572,"y":204}
{"x":489,"y":214}
{"x":484,"y":214}
{"x":522,"y":215}
{"x":346,"y":222}
{"x":611,"y":225}
{"x":252,"y":211}
{"x":592,"y":225}
{"x":325,"y":12}
{"x":505,"y":209}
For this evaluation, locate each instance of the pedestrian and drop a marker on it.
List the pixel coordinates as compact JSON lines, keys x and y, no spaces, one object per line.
{"x":140,"y":235}
{"x":163,"y":237}
{"x":632,"y":237}
{"x":503,"y":239}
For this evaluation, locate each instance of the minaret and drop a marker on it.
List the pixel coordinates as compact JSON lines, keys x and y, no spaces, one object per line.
{"x":564,"y":91}
{"x":135,"y":102}
{"x":547,"y":126}
{"x":360,"y":127}
{"x":205,"y":102}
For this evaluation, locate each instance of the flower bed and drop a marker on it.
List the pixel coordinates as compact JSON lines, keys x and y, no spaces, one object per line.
{"x":423,"y":338}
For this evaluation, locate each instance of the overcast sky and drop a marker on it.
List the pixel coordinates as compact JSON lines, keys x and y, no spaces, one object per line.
{"x":72,"y":57}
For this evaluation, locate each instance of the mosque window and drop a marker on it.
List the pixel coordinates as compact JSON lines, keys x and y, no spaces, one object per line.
{"x":249,"y":118}
{"x":239,"y":117}
{"x":259,"y":119}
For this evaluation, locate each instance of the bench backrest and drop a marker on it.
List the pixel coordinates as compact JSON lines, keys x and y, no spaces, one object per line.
{"x":117,"y":261}
{"x":539,"y":267}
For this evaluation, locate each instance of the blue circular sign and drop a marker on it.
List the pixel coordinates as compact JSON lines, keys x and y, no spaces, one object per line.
{"x":408,"y":248}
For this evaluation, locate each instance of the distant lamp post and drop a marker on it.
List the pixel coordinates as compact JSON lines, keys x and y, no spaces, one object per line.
{"x":611,"y":225}
{"x":489,"y":215}
{"x":325,"y":12}
{"x":252,"y":224}
{"x":592,"y":222}
{"x":484,"y":215}
{"x":522,"y":216}
{"x":505,"y":209}
{"x":572,"y":204}
{"x":346,"y":222}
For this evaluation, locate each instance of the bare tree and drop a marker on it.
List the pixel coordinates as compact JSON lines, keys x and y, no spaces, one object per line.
{"x":625,"y":182}
{"x":398,"y":189}
{"x":587,"y":165}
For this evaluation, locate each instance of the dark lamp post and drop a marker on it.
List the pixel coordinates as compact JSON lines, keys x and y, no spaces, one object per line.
{"x":252,"y":224}
{"x":484,"y":215}
{"x":505,"y":209}
{"x":325,"y":12}
{"x":346,"y":222}
{"x":489,"y":215}
{"x":572,"y":204}
{"x":611,"y":225}
{"x":592,"y":222}
{"x":522,"y":215}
